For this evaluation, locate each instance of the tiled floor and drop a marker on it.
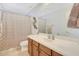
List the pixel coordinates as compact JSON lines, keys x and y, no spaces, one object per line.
{"x":14,"y":52}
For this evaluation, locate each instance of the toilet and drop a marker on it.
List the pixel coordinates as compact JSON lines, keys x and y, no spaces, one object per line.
{"x":23,"y":45}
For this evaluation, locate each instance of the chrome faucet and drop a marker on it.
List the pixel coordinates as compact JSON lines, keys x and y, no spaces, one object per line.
{"x":51,"y":36}
{"x":50,"y":32}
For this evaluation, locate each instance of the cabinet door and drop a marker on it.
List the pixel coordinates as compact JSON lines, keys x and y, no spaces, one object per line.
{"x":55,"y":53}
{"x":45,"y":49}
{"x":30,"y":46}
{"x":42,"y":53}
{"x":35,"y":43}
{"x":35,"y":50}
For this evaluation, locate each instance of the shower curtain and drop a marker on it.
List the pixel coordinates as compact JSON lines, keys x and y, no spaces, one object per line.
{"x":15,"y":29}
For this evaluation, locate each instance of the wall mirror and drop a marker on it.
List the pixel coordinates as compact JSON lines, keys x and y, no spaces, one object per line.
{"x":73,"y":21}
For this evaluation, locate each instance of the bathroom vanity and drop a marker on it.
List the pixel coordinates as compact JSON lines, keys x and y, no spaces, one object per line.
{"x":39,"y":45}
{"x":37,"y":49}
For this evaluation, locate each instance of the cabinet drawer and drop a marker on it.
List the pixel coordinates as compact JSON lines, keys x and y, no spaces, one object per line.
{"x":55,"y":53}
{"x":35,"y":50}
{"x":35,"y":43}
{"x":41,"y":53}
{"x":45,"y":49}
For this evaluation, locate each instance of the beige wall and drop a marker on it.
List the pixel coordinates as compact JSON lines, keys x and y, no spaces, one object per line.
{"x":15,"y":29}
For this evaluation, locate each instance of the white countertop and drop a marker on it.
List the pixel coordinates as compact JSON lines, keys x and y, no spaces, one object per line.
{"x":62,"y":46}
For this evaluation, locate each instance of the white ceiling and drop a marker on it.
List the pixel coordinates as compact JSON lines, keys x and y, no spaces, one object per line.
{"x":17,"y":7}
{"x":42,"y":10}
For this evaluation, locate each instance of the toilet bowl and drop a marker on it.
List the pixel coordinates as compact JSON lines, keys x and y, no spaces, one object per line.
{"x":23,"y":45}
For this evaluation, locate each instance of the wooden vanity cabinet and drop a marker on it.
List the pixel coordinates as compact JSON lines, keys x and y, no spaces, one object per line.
{"x":55,"y":53}
{"x":37,"y":49}
{"x":35,"y":43}
{"x":30,"y":47}
{"x":44,"y":50}
{"x":42,"y":53}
